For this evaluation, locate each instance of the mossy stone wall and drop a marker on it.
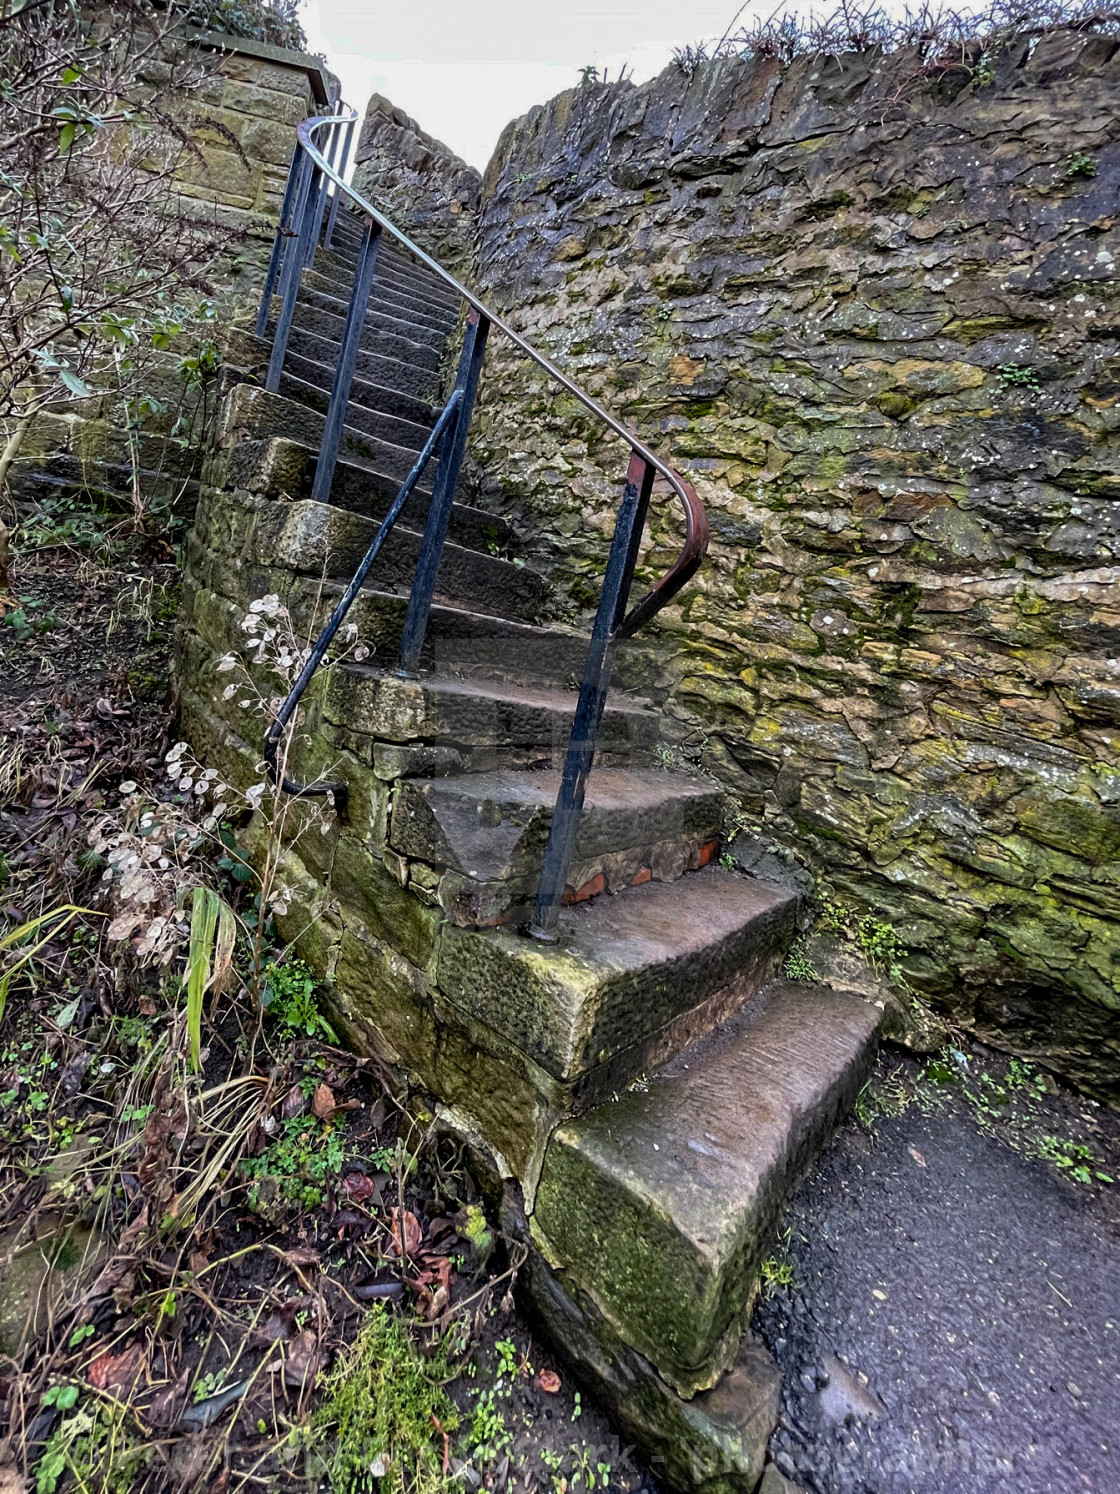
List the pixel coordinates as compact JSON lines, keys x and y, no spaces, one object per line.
{"x":870,"y":307}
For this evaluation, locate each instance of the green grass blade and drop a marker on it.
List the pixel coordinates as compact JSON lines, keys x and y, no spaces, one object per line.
{"x":204,"y":918}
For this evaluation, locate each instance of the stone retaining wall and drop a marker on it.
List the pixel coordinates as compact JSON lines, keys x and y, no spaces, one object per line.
{"x":870,"y":306}
{"x":417,"y":182}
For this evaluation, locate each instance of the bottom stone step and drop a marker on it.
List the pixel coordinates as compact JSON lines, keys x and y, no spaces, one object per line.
{"x":659,"y":1206}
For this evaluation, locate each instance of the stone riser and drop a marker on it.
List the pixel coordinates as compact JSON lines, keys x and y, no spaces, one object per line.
{"x":333,"y":293}
{"x":285,"y":471}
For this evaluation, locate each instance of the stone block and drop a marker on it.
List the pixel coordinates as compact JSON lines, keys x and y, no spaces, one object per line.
{"x":659,"y":1205}
{"x":623,"y":967}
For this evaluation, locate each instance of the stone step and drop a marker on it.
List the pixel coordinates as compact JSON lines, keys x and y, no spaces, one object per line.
{"x":410,"y":380}
{"x":393,"y":259}
{"x":632,"y":979}
{"x":385,"y":399}
{"x":385,"y":295}
{"x":319,"y":539}
{"x":260,"y":416}
{"x":659,"y":1206}
{"x":376,"y":336}
{"x":379,"y":318}
{"x":468,"y":643}
{"x":286,"y":470}
{"x":409,"y":435}
{"x":473,"y":713}
{"x":485,"y":834}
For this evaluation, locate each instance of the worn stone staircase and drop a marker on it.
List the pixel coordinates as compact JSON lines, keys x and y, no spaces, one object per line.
{"x":641,"y":1094}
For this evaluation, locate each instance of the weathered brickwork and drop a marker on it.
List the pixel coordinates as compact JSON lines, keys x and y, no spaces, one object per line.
{"x":875,"y":316}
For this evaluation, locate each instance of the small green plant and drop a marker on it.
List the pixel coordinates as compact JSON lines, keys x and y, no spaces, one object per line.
{"x":384,"y":1406}
{"x":727,"y":861}
{"x":288,"y":995}
{"x":1081,"y":164}
{"x":98,"y":1448}
{"x":295,"y":1170}
{"x":776,"y":1274}
{"x":24,"y":621}
{"x":488,"y":1436}
{"x":984,"y":72}
{"x":1020,"y":375}
{"x":1073,"y":1158}
{"x":506,"y":1350}
{"x":798,"y":965}
{"x":588,"y":75}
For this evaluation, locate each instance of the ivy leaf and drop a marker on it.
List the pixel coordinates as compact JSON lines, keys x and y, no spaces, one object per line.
{"x":74,"y":384}
{"x":71,"y":74}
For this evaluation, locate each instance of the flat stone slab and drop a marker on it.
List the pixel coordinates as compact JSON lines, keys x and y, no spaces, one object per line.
{"x":625,"y":966}
{"x":493,"y":826}
{"x":474,"y":712}
{"x":660,"y":1205}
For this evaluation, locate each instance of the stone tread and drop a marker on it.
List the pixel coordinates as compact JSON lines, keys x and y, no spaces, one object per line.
{"x":660,"y":1205}
{"x":466,"y":639}
{"x":494,"y":825}
{"x":625,"y":966}
{"x":380,"y":424}
{"x":474,"y":712}
{"x":384,"y":298}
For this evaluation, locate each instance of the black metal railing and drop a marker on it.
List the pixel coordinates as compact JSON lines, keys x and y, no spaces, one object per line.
{"x":316,"y":187}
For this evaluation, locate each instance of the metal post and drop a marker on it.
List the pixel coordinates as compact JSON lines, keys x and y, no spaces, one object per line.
{"x":293,"y":268}
{"x":584,"y":736}
{"x":443,"y":495}
{"x":337,"y":199}
{"x":347,"y":362}
{"x":321,"y":199}
{"x":283,"y":228}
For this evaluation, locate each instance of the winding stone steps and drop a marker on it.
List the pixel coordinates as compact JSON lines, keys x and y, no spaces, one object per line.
{"x":642,"y":1093}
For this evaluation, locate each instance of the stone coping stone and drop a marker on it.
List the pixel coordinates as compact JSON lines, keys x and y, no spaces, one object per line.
{"x":624,"y":965}
{"x":660,"y":1205}
{"x":493,"y":826}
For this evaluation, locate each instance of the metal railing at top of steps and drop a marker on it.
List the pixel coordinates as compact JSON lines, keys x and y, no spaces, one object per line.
{"x":316,"y":186}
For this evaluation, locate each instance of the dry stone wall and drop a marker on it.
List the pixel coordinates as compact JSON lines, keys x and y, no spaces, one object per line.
{"x":242,"y":120}
{"x":418,"y":183}
{"x":871,"y":308}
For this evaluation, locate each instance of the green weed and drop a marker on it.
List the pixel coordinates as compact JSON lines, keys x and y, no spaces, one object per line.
{"x":288,"y":995}
{"x":1020,"y":374}
{"x":295,"y":1169}
{"x":798,"y":966}
{"x":383,"y":1411}
{"x":1081,"y":164}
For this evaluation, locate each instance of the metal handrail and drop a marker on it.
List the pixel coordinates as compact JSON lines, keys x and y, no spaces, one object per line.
{"x":338,"y":790}
{"x":310,"y":180}
{"x":696,"y":519}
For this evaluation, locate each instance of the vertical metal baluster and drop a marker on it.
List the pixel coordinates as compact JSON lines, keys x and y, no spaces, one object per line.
{"x":335,"y":133}
{"x":584,"y":736}
{"x":283,"y":228}
{"x":289,"y":278}
{"x":347,"y":361}
{"x":443,"y":494}
{"x":337,"y":199}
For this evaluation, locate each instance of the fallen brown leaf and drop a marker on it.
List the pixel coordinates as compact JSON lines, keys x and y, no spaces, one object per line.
{"x":405,"y":1233}
{"x":304,"y":1359}
{"x":548,"y":1381}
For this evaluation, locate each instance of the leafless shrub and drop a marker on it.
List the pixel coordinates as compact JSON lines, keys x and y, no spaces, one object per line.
{"x":937,"y":29}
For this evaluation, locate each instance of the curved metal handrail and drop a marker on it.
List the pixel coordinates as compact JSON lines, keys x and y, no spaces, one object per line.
{"x":697,"y":530}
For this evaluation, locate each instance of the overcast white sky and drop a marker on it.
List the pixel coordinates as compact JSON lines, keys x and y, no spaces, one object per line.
{"x":464,"y":70}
